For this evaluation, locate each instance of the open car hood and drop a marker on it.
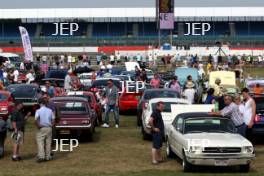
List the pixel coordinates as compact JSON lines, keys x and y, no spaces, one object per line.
{"x":228,"y":78}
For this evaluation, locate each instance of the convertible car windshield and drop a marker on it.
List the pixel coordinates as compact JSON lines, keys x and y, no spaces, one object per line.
{"x":209,"y":125}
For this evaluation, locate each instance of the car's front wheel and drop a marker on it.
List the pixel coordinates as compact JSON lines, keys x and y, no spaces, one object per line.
{"x":170,"y":153}
{"x":186,"y":166}
{"x":244,"y":168}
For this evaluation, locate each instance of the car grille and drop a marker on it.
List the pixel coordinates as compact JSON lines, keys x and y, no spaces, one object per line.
{"x":222,"y":150}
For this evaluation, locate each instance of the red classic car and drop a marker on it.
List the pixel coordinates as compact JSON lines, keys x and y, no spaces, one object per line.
{"x":95,"y":105}
{"x":129,"y":101}
{"x":74,"y":117}
{"x":6,"y":104}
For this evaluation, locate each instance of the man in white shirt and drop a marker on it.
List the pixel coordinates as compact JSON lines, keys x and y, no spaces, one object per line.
{"x":118,"y":57}
{"x":22,"y":66}
{"x":44,"y":120}
{"x":67,"y":81}
{"x":112,"y":59}
{"x":30,"y":77}
{"x":109,"y":66}
{"x":215,"y":63}
{"x":139,"y":58}
{"x":16,"y":74}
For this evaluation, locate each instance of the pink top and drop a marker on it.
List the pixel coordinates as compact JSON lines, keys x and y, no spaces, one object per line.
{"x":155,"y":83}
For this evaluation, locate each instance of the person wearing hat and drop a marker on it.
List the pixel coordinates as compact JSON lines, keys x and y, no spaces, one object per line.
{"x":217,"y":88}
{"x":157,"y":130}
{"x":189,"y":91}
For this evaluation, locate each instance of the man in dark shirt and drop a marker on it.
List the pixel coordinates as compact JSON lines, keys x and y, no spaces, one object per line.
{"x":157,"y":126}
{"x":18,"y":122}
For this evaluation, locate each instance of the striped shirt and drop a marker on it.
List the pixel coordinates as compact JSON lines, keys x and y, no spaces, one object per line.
{"x":233,"y":112}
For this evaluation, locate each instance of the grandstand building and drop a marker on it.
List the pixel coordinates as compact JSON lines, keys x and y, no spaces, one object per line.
{"x":127,"y":23}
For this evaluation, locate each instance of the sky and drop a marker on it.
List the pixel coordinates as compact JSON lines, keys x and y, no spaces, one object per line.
{"x":23,"y":4}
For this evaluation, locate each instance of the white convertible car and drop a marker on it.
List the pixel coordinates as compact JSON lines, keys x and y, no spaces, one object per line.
{"x":200,"y":139}
{"x":166,"y":114}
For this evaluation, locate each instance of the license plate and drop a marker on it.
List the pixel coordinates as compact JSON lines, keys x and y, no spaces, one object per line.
{"x":64,"y":131}
{"x":221,"y":162}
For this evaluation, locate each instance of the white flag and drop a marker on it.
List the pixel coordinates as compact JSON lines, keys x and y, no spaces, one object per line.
{"x":26,"y":44}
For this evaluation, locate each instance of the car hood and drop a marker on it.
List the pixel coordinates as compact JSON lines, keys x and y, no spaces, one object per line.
{"x":220,"y":139}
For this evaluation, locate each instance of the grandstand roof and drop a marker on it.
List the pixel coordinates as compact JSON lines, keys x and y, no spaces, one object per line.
{"x":135,"y":10}
{"x":20,"y":4}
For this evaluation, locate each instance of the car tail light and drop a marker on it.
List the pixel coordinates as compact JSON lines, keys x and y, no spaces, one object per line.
{"x":257,"y":118}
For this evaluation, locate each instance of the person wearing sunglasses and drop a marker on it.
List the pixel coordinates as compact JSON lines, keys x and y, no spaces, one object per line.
{"x":111,"y":93}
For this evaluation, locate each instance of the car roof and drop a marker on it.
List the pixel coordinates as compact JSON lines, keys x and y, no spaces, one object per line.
{"x":107,"y":78}
{"x":79,"y":93}
{"x":88,"y":74}
{"x":20,"y":85}
{"x":52,"y":79}
{"x":197,"y":114}
{"x":8,"y":55}
{"x":180,"y":100}
{"x":152,"y":90}
{"x":69,"y":99}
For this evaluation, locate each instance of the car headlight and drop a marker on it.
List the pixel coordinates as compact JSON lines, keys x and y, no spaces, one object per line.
{"x":195,"y":149}
{"x":248,"y":149}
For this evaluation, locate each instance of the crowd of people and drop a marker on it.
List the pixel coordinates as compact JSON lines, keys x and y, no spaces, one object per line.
{"x":242,"y":112}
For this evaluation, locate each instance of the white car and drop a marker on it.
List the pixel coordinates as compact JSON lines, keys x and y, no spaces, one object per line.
{"x":86,"y":79}
{"x":166,"y":114}
{"x":200,"y":139}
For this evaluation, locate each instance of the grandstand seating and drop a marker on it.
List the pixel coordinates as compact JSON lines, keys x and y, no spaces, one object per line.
{"x":119,"y":29}
{"x":124,"y":33}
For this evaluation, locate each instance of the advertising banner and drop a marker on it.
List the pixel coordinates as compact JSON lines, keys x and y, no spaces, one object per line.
{"x":26,"y":44}
{"x":166,"y":14}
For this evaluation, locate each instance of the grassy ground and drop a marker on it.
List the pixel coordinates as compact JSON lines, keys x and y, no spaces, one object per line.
{"x":120,"y":152}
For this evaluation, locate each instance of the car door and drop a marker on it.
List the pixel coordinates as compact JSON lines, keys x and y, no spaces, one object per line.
{"x":176,"y":136}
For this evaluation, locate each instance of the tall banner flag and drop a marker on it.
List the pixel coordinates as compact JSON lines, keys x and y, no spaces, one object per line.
{"x":26,"y":44}
{"x":165,"y":13}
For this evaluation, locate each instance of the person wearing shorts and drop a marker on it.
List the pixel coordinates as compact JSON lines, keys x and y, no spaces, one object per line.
{"x":18,"y":120}
{"x":157,"y":126}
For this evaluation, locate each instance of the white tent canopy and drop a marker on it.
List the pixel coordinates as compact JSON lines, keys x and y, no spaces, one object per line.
{"x":180,"y":12}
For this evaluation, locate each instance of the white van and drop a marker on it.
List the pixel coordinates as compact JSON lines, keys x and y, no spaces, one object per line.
{"x":10,"y":58}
